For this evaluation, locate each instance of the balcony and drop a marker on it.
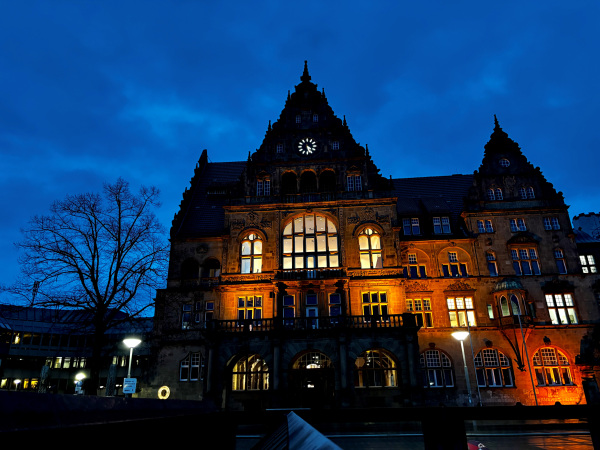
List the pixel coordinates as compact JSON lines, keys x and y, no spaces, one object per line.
{"x":312,"y":323}
{"x":311,"y":197}
{"x":310,"y":274}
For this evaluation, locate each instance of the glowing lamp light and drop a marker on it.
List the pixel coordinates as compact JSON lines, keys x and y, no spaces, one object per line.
{"x":132,"y":342}
{"x":460,"y":335}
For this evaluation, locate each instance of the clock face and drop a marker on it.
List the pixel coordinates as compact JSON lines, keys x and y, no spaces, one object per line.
{"x":307,"y":146}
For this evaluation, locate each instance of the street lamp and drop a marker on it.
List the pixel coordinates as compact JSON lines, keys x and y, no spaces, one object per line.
{"x":131,"y":343}
{"x":461,"y":336}
{"x":79,"y":383}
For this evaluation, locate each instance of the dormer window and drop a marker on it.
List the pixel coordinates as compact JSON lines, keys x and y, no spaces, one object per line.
{"x":491,"y":195}
{"x":279,"y":148}
{"x":335,"y":145}
{"x":526,"y":193}
{"x":315,"y":118}
{"x":498,"y":194}
{"x":411,"y":226}
{"x":354,"y":182}
{"x":441,"y":225}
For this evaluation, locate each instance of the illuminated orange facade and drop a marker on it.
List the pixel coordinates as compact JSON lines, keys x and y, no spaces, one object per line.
{"x":302,"y":277}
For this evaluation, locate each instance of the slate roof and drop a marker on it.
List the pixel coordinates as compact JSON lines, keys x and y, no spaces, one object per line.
{"x":204,"y":214}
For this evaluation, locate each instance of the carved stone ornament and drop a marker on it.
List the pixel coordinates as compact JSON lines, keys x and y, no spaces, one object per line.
{"x":265,"y":224}
{"x":252,"y":219}
{"x":459,"y":285}
{"x":368,"y":213}
{"x":238,"y":224}
{"x":417,"y":287}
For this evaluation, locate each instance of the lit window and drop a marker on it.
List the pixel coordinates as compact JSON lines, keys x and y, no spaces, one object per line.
{"x":250,"y":374}
{"x":251,"y":254}
{"x":415,"y":270}
{"x":551,"y":367}
{"x":263,"y":187}
{"x":493,"y":369}
{"x":454,"y":268}
{"x":421,"y":308}
{"x":525,"y":261}
{"x":441,"y":225}
{"x":437,"y":369}
{"x":310,"y":241}
{"x":375,"y":368}
{"x":279,"y":148}
{"x":491,"y":263}
{"x":249,"y":308}
{"x":460,"y":310}
{"x":375,"y":305}
{"x":559,"y":257}
{"x":517,"y":225}
{"x":561,"y":309}
{"x":510,"y":307}
{"x":354,"y":182}
{"x":588,"y":264}
{"x":369,"y":246}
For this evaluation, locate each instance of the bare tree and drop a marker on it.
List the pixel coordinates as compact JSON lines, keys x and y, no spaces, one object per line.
{"x":97,"y":253}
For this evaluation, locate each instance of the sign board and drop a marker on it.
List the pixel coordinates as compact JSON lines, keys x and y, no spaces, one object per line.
{"x":129,"y":385}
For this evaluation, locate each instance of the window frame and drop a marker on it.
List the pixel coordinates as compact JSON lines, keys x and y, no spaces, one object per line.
{"x":370,"y":255}
{"x":493,"y":369}
{"x":421,"y":308}
{"x":551,"y":363}
{"x":251,"y":261}
{"x":561,"y":308}
{"x":525,"y":266}
{"x":436,"y":375}
{"x":378,"y":308}
{"x":461,"y":311}
{"x":310,"y":241}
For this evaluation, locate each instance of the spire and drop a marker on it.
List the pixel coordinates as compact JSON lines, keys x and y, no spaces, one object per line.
{"x":269,"y":129}
{"x":345,"y":124}
{"x":305,"y":76}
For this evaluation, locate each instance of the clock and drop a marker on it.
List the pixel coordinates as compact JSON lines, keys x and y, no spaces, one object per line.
{"x":307,"y":146}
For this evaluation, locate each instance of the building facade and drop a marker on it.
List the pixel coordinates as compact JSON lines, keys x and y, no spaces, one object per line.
{"x":304,"y":278}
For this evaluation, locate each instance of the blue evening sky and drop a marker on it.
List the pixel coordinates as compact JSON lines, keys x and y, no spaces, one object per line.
{"x":94,"y":90}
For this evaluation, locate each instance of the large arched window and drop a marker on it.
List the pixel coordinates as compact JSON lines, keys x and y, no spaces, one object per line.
{"x":308,"y":182}
{"x":251,"y":254}
{"x":375,"y":368}
{"x":551,"y":367}
{"x":250,"y":373}
{"x":289,"y":183}
{"x":327,"y":181}
{"x":437,"y":369}
{"x":310,"y":241}
{"x":369,"y":246}
{"x":493,"y":369}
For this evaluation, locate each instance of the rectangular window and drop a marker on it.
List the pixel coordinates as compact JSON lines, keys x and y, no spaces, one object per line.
{"x":588,"y":264}
{"x":209,"y":311}
{"x":525,"y":261}
{"x":315,"y":117}
{"x":279,"y":148}
{"x":517,"y":225}
{"x":551,"y":223}
{"x":186,"y":316}
{"x":454,"y":268}
{"x":489,"y":228}
{"x":421,"y":308}
{"x":375,"y":305}
{"x":289,"y":309}
{"x":411,"y":226}
{"x":561,"y":309}
{"x":441,"y":225}
{"x":460,"y":311}
{"x":263,"y":188}
{"x":335,"y":305}
{"x":335,"y":145}
{"x":249,"y":308}
{"x":480,"y":226}
{"x":354,"y":182}
{"x":195,"y":367}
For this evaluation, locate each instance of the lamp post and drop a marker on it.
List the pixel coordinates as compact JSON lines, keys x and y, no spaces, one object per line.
{"x":131,"y":343}
{"x":461,"y":336}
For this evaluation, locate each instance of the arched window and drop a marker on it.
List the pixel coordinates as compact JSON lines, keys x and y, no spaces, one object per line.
{"x":437,"y":369}
{"x":251,"y":254}
{"x":523,"y":193}
{"x":250,"y":373}
{"x":308,"y":182}
{"x":211,"y":268}
{"x":369,"y":245}
{"x":530,"y":192}
{"x":289,"y":183}
{"x":375,"y":368}
{"x":327,"y":181}
{"x":498,"y":194}
{"x":310,"y":241}
{"x":510,"y":307}
{"x":313,"y":360}
{"x":190,"y":269}
{"x":493,"y":369}
{"x":490,"y":194}
{"x":551,"y":367}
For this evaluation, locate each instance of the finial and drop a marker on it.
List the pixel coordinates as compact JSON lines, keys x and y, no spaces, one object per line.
{"x":288,"y":94}
{"x":249,"y":157}
{"x":305,"y":76}
{"x":345,"y":124}
{"x":269,"y":126}
{"x":496,"y":124}
{"x":367,"y":148}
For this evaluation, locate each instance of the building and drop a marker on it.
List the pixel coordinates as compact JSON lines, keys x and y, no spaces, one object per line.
{"x":304,"y":278}
{"x":45,"y":349}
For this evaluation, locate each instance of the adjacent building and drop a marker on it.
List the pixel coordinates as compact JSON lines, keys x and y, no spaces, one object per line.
{"x":302,"y":277}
